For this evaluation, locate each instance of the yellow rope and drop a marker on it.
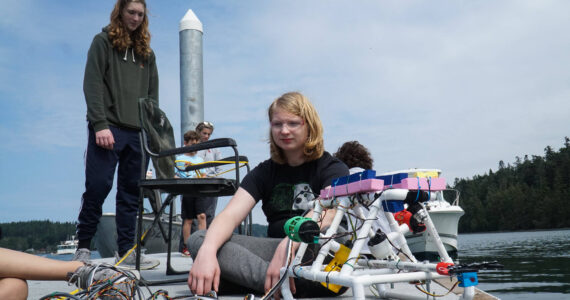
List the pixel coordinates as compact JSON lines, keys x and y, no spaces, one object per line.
{"x":200,"y":175}
{"x":217,"y":174}
{"x":133,"y":248}
{"x":218,"y":161}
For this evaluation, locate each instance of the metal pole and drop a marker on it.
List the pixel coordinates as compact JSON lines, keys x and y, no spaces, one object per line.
{"x":191,"y":73}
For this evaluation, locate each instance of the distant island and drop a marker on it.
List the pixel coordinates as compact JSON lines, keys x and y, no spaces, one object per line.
{"x":529,"y":194}
{"x":35,"y":236}
{"x":43,"y":236}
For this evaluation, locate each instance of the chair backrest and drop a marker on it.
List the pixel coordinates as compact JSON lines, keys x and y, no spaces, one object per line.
{"x":157,"y":135}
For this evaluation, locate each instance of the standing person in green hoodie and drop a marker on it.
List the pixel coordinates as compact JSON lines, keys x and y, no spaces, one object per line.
{"x":120,"y":69}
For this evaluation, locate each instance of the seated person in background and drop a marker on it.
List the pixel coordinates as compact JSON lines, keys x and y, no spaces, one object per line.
{"x":192,"y":207}
{"x":298,"y":160}
{"x":358,"y":159}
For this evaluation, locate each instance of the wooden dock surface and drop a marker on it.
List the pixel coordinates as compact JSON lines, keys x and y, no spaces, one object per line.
{"x":479,"y":294}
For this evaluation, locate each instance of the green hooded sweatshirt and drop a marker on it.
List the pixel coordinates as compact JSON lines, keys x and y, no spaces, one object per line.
{"x":114,"y":82}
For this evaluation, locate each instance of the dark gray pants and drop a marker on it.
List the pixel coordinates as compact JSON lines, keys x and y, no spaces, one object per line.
{"x":244,"y":261}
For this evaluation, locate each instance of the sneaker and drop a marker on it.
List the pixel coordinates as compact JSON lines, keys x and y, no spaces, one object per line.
{"x":185,"y":251}
{"x":82,"y":254}
{"x":108,"y":281}
{"x":130,"y":261}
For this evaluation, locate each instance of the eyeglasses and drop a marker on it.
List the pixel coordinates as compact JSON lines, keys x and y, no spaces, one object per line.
{"x":292,"y":125}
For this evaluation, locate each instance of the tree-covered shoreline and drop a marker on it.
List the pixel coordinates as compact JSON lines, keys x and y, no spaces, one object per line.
{"x":44,"y":236}
{"x":530,"y":194}
{"x":41,"y":236}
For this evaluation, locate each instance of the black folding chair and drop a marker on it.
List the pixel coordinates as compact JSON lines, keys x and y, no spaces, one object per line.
{"x":157,"y":141}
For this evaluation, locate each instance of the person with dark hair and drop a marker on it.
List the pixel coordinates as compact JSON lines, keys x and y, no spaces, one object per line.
{"x":354,"y":155}
{"x":120,"y":69}
{"x":298,"y":163}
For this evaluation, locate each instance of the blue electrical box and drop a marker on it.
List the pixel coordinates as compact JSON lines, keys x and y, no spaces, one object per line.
{"x":392,"y":179}
{"x":366,"y":174}
{"x":467,"y":279}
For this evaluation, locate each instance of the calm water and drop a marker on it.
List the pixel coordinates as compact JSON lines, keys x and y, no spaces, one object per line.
{"x":537,"y":263}
{"x":94,"y":255}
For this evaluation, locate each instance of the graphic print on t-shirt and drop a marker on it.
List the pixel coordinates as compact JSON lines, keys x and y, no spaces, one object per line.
{"x":286,"y":197}
{"x":303,"y":195}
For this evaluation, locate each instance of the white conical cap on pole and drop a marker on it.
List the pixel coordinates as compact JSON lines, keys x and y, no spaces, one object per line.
{"x":190,"y":21}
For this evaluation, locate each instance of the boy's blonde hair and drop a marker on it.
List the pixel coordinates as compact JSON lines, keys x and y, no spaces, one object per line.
{"x":299,"y":105}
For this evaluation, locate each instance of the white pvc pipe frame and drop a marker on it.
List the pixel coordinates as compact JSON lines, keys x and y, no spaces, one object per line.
{"x":376,"y":272}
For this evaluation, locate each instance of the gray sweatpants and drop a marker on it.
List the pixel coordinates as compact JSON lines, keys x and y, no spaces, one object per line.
{"x":242,"y":259}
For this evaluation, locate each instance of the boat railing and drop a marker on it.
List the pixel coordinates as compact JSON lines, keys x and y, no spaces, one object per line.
{"x":455,"y":201}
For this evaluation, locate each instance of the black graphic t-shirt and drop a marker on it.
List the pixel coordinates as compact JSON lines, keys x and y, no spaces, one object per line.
{"x":283,"y":188}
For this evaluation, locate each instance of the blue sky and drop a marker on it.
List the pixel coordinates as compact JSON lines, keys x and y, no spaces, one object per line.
{"x":455,"y":85}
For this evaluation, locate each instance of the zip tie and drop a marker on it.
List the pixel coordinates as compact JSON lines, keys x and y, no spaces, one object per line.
{"x":347,"y":179}
{"x":294,"y":273}
{"x":429,"y":187}
{"x":334,"y":187}
{"x":419,"y":187}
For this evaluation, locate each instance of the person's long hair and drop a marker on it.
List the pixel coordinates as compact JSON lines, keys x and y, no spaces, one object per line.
{"x":119,"y":35}
{"x":297,"y":104}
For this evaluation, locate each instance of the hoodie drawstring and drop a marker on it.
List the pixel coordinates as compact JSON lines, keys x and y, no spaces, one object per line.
{"x":127,"y":53}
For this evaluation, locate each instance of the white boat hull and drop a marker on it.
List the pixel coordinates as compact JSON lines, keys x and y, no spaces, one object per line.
{"x":67,"y":247}
{"x":66,"y":251}
{"x":445,"y":220}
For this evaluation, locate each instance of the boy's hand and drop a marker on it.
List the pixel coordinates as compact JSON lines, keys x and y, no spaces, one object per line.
{"x":205,"y":273}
